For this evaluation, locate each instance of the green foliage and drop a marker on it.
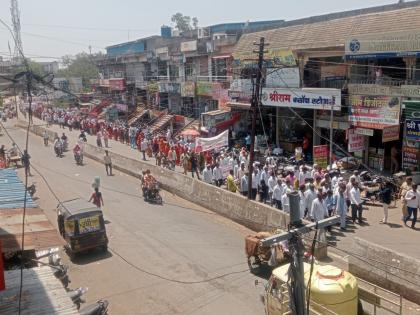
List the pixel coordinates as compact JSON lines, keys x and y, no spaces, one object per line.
{"x":80,"y":66}
{"x":183,"y":22}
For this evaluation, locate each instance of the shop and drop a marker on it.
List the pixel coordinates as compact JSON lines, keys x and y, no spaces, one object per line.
{"x":188,"y":99}
{"x":296,"y":112}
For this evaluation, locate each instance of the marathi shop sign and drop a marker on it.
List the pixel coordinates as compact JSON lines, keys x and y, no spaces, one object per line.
{"x":391,"y":133}
{"x":321,"y":155}
{"x":412,"y":129}
{"x":383,"y":45}
{"x":188,"y":89}
{"x":321,"y":99}
{"x":374,"y":112}
{"x":379,"y":90}
{"x":411,"y":158}
{"x":356,"y":142}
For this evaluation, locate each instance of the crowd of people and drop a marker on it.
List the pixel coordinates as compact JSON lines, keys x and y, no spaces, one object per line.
{"x":322,"y":193}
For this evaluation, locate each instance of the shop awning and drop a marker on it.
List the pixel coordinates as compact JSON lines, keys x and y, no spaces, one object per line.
{"x":222,"y":57}
{"x":238,"y":105}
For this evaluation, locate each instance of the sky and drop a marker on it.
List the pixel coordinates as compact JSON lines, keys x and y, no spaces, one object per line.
{"x":52,"y":29}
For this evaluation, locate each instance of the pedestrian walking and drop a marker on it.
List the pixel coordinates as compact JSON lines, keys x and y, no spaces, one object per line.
{"x":26,"y":162}
{"x":208,"y":175}
{"x":194,"y":165}
{"x":413,"y":203}
{"x":356,"y":203}
{"x":230,"y":182}
{"x":106,"y":138}
{"x":99,"y":139}
{"x":341,"y":206}
{"x":277,"y":194}
{"x":386,"y":196}
{"x":108,"y":163}
{"x":218,"y":175}
{"x":244,"y":185}
{"x":45,"y":137}
{"x":143,"y":148}
{"x":96,"y":198}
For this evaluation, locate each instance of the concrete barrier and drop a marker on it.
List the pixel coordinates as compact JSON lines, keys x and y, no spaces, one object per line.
{"x":253,"y":215}
{"x":386,"y":268}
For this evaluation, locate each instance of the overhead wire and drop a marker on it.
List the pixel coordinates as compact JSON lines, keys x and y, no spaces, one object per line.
{"x":25,"y":155}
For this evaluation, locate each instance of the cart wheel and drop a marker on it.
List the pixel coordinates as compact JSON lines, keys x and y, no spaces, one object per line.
{"x":254,"y":265}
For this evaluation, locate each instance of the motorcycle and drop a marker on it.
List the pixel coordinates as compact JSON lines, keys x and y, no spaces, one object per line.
{"x":78,"y":157}
{"x":152,"y":194}
{"x":76,"y":296}
{"x":99,"y":308}
{"x":58,"y":149}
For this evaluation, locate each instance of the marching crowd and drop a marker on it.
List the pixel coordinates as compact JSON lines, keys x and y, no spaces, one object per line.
{"x":322,"y":193}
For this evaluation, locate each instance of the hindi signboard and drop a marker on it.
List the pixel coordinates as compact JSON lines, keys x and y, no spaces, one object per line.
{"x":322,"y":99}
{"x":412,"y":129}
{"x":374,"y":112}
{"x":411,"y":158}
{"x":356,"y":142}
{"x":391,"y":133}
{"x":321,"y":155}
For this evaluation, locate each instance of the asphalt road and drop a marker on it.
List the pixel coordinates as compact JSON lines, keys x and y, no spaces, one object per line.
{"x":155,"y":251}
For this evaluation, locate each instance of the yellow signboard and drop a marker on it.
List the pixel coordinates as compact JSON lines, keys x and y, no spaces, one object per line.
{"x":89,"y":224}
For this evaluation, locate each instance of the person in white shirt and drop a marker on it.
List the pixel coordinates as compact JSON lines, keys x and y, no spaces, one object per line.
{"x":277,"y":194}
{"x":310,"y":196}
{"x":241,"y":172}
{"x":302,"y":201}
{"x":264,"y":175}
{"x":218,"y":175}
{"x":244,"y":185}
{"x":255,"y":183}
{"x":412,"y":198}
{"x":287,"y":189}
{"x":303,"y":176}
{"x":318,"y":208}
{"x":272,"y":182}
{"x":208,"y":175}
{"x":356,"y":203}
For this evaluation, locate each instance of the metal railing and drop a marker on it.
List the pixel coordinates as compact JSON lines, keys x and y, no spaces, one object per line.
{"x":215,"y":78}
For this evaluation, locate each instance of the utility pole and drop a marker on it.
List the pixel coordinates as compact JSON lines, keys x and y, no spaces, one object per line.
{"x":255,"y":103}
{"x":331,"y":135}
{"x":297,"y":280}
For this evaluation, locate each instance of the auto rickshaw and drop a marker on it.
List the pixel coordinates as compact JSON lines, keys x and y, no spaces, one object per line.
{"x":82,"y":225}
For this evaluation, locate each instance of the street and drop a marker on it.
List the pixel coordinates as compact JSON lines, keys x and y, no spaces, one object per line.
{"x":153,"y":249}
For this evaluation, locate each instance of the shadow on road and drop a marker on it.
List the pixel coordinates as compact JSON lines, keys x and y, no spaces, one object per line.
{"x":90,"y":257}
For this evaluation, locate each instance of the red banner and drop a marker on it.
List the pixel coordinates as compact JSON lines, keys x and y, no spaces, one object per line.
{"x":117,"y":84}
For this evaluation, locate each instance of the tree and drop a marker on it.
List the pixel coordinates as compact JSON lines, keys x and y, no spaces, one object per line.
{"x":183,"y":22}
{"x":80,"y":66}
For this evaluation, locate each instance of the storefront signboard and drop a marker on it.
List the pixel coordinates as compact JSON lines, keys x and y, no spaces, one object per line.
{"x":188,"y":89}
{"x":205,"y":89}
{"x":333,"y":71}
{"x":391,"y":133}
{"x":283,"y":77}
{"x":321,"y":155}
{"x":273,"y":57}
{"x":375,"y":112}
{"x":412,"y":129}
{"x":117,"y":84}
{"x":321,"y":99}
{"x":364,"y":132}
{"x":379,"y":90}
{"x":152,"y":87}
{"x":412,"y":109}
{"x":189,"y":46}
{"x":356,"y":142}
{"x":172,"y":88}
{"x":411,"y":158}
{"x":383,"y":45}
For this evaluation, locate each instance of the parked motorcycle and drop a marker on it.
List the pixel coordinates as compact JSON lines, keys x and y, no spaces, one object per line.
{"x":99,"y":308}
{"x":76,"y":296}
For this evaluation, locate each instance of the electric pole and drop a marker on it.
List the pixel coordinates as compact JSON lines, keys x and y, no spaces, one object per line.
{"x":255,"y":103}
{"x":297,"y":274}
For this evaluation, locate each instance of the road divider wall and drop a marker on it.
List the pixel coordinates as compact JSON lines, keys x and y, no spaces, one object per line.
{"x":388,"y":269}
{"x":252,"y":214}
